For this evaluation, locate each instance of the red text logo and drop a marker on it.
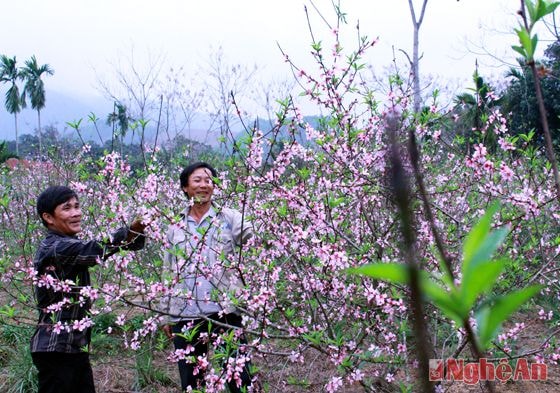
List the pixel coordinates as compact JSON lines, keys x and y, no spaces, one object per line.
{"x":484,"y":370}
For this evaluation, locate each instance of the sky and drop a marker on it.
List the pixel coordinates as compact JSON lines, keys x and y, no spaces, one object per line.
{"x":82,"y":39}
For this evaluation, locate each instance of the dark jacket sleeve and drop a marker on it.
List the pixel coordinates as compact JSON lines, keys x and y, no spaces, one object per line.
{"x":123,"y":239}
{"x":70,"y":250}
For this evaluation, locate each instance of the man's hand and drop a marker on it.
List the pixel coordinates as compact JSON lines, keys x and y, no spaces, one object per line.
{"x":137,"y":226}
{"x":167,"y":330}
{"x":135,"y":230}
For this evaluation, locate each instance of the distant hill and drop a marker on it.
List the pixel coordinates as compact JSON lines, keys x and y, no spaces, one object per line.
{"x":61,"y":108}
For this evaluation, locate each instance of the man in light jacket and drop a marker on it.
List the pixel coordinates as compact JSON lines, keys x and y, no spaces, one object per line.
{"x":200,"y":266}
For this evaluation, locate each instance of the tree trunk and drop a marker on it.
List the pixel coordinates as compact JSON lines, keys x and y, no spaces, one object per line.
{"x":416,"y":70}
{"x":17,"y":138}
{"x":416,"y":23}
{"x":546,"y":130}
{"x":39,"y":132}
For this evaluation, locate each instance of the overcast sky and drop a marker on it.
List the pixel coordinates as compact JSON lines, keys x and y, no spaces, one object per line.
{"x":79,"y":38}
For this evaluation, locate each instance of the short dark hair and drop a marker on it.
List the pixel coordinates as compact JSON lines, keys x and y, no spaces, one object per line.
{"x":53,"y":196}
{"x":187,"y":172}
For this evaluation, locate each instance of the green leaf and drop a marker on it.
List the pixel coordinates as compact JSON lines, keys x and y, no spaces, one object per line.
{"x":532,"y":9}
{"x":143,"y":123}
{"x":391,"y":272}
{"x":477,"y":235}
{"x":542,"y":9}
{"x":484,"y":251}
{"x":8,"y":311}
{"x":519,"y":50}
{"x":550,"y":8}
{"x":5,"y":201}
{"x":282,"y":210}
{"x":491,"y":317}
{"x":529,"y":136}
{"x":290,"y":313}
{"x":189,"y":334}
{"x":304,"y":173}
{"x":316,"y":46}
{"x":75,"y":124}
{"x":446,"y":301}
{"x":534,"y":42}
{"x":335,"y":202}
{"x":92,"y":117}
{"x":314,"y":337}
{"x":479,"y":281}
{"x":526,"y":42}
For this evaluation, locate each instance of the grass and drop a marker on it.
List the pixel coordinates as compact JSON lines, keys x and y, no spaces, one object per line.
{"x":18,"y":374}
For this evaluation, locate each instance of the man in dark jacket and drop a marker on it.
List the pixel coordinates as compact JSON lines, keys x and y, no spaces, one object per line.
{"x":59,"y":346}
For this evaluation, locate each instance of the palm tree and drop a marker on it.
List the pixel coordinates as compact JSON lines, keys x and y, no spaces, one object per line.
{"x":35,"y":89}
{"x":119,"y":117}
{"x":475,"y":109}
{"x":15,"y":101}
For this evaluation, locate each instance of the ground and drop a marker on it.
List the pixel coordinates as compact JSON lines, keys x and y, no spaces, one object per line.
{"x":118,"y":371}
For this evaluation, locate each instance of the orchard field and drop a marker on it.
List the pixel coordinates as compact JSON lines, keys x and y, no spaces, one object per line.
{"x":385,"y":235}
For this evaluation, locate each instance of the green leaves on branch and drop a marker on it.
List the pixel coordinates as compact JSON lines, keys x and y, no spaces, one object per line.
{"x":540,"y":9}
{"x":5,"y":201}
{"x":490,"y":317}
{"x":480,"y":273}
{"x":528,"y":44}
{"x":314,"y":337}
{"x":317,"y":47}
{"x":481,"y":243}
{"x":74,"y":124}
{"x":395,"y":273}
{"x":535,"y":11}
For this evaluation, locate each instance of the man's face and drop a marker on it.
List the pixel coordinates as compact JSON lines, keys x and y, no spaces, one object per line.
{"x":66,"y":218}
{"x":200,"y":186}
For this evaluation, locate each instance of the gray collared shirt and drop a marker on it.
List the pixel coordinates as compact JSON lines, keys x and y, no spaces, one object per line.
{"x":199,"y":263}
